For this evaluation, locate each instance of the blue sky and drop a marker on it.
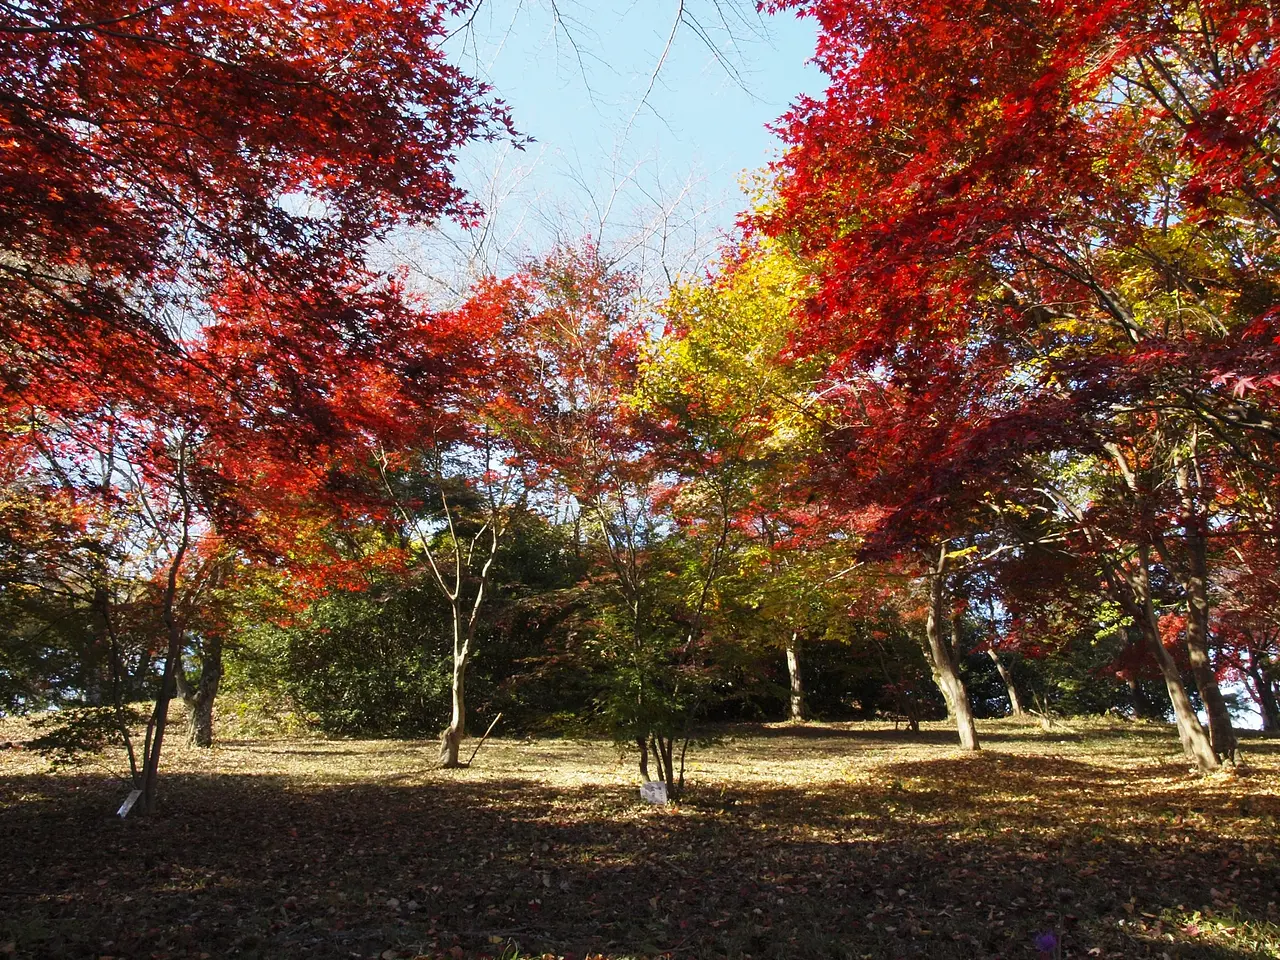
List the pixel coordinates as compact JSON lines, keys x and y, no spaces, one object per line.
{"x":651,"y":164}
{"x":576,"y":88}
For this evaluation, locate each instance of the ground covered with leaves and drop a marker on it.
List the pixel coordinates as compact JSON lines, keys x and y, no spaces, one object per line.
{"x":841,"y":840}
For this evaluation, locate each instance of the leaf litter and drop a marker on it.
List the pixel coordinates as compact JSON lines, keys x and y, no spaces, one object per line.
{"x":828,"y":840}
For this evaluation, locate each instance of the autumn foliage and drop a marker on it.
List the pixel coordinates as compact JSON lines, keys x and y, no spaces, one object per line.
{"x":977,"y":407}
{"x":1042,"y":235}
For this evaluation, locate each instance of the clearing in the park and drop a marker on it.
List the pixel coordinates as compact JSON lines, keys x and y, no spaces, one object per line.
{"x":1091,"y":839}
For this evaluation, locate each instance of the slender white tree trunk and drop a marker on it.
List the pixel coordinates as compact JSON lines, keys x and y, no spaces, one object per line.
{"x":797,"y":681}
{"x":451,"y":738}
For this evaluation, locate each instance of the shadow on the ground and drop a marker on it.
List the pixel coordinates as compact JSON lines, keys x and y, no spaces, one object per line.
{"x":935,"y":858}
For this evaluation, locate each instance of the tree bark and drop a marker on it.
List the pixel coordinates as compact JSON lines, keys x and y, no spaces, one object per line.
{"x":155,"y":730}
{"x":1222,"y":735}
{"x":947,"y":697}
{"x":666,"y":746}
{"x":1132,"y":589}
{"x":1196,"y":583}
{"x":797,"y":682}
{"x":1268,"y":704}
{"x":464,"y":623}
{"x":1143,"y":708}
{"x":942,"y":659}
{"x":957,"y":635}
{"x":1270,"y":708}
{"x":662,"y":750}
{"x":173,"y":653}
{"x":1195,"y":742}
{"x":1015,"y":704}
{"x":200,"y":700}
{"x":451,"y":738}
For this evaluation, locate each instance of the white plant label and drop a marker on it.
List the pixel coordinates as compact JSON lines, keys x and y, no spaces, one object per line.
{"x":129,"y":801}
{"x":654,"y":791}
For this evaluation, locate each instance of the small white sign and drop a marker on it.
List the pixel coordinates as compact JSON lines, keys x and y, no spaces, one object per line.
{"x":129,"y":801}
{"x":654,"y":791}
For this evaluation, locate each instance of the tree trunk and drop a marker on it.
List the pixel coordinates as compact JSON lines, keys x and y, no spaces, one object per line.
{"x":666,"y":745}
{"x":957,"y":635}
{"x":1143,"y":708}
{"x":1195,"y":742}
{"x":1196,"y":583}
{"x":1015,"y":704}
{"x":663,"y":750}
{"x":797,"y":683}
{"x":173,"y":654}
{"x":102,"y":603}
{"x":1222,"y":736}
{"x":160,"y":716}
{"x":155,"y":735}
{"x":451,"y":738}
{"x":947,"y":696}
{"x":200,"y":702}
{"x":942,"y":660}
{"x":1267,"y":701}
{"x":1270,"y":709}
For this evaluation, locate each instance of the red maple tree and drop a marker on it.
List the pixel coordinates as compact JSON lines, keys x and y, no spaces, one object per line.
{"x":1042,"y":231}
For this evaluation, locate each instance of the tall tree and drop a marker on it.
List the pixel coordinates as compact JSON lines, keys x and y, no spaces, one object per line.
{"x":1027,"y":238}
{"x":750,"y":416}
{"x":192,"y":190}
{"x":650,"y":493}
